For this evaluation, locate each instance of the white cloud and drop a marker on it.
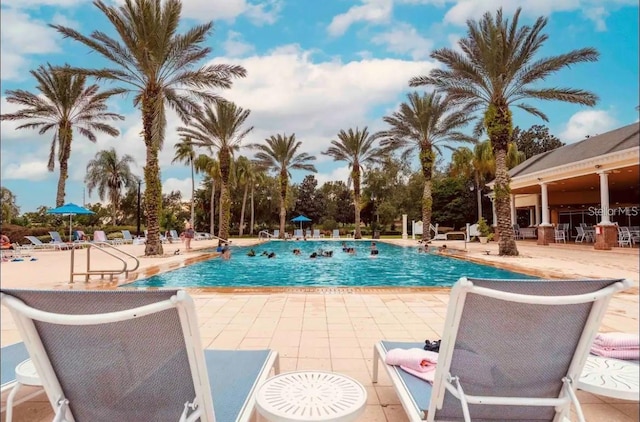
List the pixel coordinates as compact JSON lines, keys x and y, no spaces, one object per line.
{"x":33,"y":170}
{"x":373,"y":11}
{"x":288,"y":92}
{"x":60,"y":19}
{"x":593,"y":10}
{"x":183,"y":185}
{"x":404,"y":39}
{"x":21,"y":36}
{"x":234,"y":45}
{"x":340,"y":174}
{"x":587,"y":122}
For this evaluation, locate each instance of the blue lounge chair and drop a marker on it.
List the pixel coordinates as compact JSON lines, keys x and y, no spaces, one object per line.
{"x":56,"y":238}
{"x":112,"y":336}
{"x":126,"y":236}
{"x":336,"y":234}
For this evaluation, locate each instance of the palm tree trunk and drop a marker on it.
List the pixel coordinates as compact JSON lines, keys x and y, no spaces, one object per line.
{"x":65,"y":135}
{"x":498,"y":122}
{"x":114,"y":207}
{"x":252,"y":212}
{"x":153,"y":186}
{"x":506,"y":242}
{"x":193,"y":193}
{"x":426,"y":160}
{"x":244,"y":203}
{"x":212,"y":218}
{"x":356,"y":198}
{"x":283,"y":201}
{"x":224,"y":158}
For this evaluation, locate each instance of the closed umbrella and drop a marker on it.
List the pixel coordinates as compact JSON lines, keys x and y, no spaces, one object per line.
{"x":70,"y":209}
{"x":301,"y":219}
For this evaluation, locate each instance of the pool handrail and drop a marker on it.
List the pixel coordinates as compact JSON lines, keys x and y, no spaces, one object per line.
{"x":265,"y":234}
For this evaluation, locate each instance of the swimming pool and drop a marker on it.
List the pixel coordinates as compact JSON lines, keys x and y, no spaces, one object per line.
{"x":395,"y":266}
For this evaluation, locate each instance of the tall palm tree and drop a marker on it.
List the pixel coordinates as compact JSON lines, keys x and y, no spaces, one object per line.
{"x":477,"y":164}
{"x":259,"y":178}
{"x":63,"y":103}
{"x":358,"y":148}
{"x":186,"y":154}
{"x":280,"y":154}
{"x":497,"y":68}
{"x":210,"y":167}
{"x":159,"y":66}
{"x":425,"y":124}
{"x":109,"y":174}
{"x":245,"y":174}
{"x":220,"y":128}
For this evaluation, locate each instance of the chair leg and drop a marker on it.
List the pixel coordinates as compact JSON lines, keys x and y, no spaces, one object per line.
{"x":12,"y":395}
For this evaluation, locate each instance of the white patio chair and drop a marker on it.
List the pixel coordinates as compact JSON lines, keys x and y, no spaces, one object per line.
{"x":12,"y":355}
{"x":511,"y":350}
{"x":581,"y":235}
{"x":335,"y":234}
{"x":624,"y":237}
{"x":559,"y":235}
{"x":101,"y":357}
{"x":316,"y":233}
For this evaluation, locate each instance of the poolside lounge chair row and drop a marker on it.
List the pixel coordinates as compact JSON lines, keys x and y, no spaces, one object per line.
{"x":511,"y":349}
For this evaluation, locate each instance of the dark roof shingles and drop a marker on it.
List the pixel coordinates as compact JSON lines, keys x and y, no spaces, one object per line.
{"x":620,"y":139}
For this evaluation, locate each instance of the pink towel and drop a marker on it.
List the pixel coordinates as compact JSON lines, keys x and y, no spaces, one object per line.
{"x":624,"y":354}
{"x":614,"y":341}
{"x":418,"y":362}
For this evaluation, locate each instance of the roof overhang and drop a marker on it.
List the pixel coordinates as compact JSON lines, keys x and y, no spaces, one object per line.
{"x":612,"y":161}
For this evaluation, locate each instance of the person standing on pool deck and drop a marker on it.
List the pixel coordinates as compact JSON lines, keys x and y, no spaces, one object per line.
{"x":188,"y":234}
{"x":374,"y":249}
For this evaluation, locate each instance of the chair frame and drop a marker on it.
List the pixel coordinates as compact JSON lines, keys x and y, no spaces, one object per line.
{"x":201,"y":408}
{"x":445,"y":381}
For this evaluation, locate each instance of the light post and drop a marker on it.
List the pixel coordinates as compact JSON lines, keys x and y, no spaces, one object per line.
{"x":139,"y":184}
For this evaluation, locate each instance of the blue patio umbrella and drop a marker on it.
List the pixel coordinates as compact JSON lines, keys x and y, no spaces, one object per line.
{"x":301,"y":219}
{"x":70,"y":209}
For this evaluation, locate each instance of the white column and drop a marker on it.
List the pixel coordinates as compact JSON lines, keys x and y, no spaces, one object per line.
{"x":413,"y":229}
{"x":537,"y":210}
{"x":532,"y":218}
{"x":604,"y":198}
{"x":545,"y":205}
{"x":404,"y":226}
{"x":514,"y":215}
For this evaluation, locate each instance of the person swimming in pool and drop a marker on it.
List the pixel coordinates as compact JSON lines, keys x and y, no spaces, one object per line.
{"x":374,"y":249}
{"x":271,"y":255}
{"x":314,"y":255}
{"x":344,"y":247}
{"x":296,"y":252}
{"x":251,"y":253}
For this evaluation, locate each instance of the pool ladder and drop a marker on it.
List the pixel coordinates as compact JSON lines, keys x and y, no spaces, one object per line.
{"x":113,"y":251}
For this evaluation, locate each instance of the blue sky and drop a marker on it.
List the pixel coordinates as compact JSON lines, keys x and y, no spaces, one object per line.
{"x":314,"y":67}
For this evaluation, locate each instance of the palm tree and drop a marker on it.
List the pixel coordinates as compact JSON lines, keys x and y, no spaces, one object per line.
{"x":245,"y":173}
{"x":186,"y":154}
{"x":496,"y":69}
{"x":109,"y":174}
{"x":211,"y":168}
{"x":220,"y":128}
{"x":477,"y":164}
{"x":280,"y":154}
{"x":423,"y":124}
{"x":158,"y":66}
{"x":63,"y":103}
{"x":358,"y":149}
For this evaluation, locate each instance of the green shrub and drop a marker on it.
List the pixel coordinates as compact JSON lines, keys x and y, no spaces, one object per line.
{"x":483,"y":227}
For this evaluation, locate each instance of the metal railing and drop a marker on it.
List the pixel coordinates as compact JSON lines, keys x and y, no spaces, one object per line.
{"x":264,"y":234}
{"x":103,"y":246}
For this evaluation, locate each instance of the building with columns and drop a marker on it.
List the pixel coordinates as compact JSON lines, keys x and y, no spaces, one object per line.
{"x":595,"y":181}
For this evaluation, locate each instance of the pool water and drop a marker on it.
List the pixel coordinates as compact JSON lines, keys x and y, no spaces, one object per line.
{"x":394,"y":266}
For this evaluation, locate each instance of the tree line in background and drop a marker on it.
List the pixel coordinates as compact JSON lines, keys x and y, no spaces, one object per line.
{"x":494,"y":69}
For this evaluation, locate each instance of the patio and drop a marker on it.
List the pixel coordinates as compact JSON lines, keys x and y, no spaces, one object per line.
{"x":335,"y":330}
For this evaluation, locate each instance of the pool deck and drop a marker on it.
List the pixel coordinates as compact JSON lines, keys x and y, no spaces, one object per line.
{"x":335,"y":329}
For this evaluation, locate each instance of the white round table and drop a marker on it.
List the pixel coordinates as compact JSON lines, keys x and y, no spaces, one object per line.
{"x":311,"y":396}
{"x":25,"y":375}
{"x":610,"y":377}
